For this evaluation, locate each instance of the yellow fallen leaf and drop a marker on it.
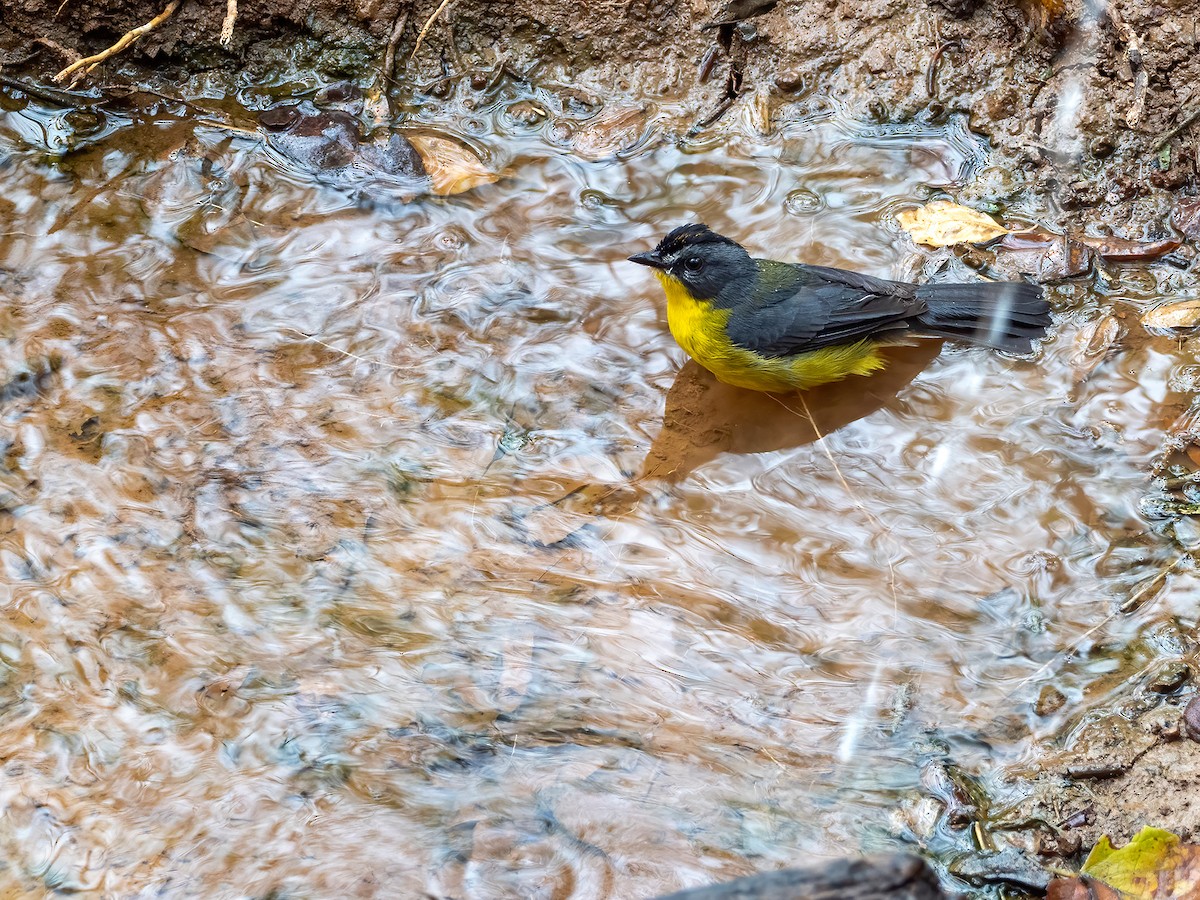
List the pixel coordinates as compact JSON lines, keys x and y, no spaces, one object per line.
{"x":1155,"y":865}
{"x":1184,"y":314}
{"x":452,"y":167}
{"x":942,"y":224}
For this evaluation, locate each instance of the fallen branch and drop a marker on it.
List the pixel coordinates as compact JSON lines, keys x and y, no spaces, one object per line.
{"x":88,"y":63}
{"x":428,"y":24}
{"x":231,"y":13}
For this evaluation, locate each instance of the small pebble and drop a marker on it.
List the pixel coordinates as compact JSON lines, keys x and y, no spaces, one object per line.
{"x":1049,"y":701}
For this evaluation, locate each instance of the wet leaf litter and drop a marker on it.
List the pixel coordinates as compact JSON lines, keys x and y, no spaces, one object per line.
{"x":517,"y":687}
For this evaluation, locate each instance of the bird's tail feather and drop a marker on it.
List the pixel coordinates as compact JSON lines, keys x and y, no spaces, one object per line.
{"x":1007,"y":315}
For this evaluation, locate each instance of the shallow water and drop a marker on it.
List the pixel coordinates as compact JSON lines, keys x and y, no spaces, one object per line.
{"x":347,"y":553}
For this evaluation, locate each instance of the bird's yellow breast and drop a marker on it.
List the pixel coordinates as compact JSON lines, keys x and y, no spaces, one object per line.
{"x":700,"y":328}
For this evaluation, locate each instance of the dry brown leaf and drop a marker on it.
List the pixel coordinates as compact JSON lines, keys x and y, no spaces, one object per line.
{"x":1184,"y":314}
{"x":943,"y":224}
{"x":452,"y":167}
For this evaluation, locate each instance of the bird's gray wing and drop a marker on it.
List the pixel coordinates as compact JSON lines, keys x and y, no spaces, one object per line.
{"x":798,"y":308}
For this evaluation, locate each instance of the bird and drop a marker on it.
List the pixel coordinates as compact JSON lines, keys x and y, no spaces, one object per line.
{"x":781,"y":327}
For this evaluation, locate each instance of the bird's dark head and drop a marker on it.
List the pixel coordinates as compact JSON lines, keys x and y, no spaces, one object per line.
{"x":702,"y":261}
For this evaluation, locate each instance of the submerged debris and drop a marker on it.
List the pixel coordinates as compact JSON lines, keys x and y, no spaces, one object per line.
{"x":1044,"y":255}
{"x":616,"y":132}
{"x":451,"y":166}
{"x":1173,"y":316}
{"x":1116,"y":249}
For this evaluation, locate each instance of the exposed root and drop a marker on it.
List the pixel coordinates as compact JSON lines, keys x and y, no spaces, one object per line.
{"x":389,"y":57}
{"x":231,"y":14}
{"x":82,"y":67}
{"x":428,"y":24}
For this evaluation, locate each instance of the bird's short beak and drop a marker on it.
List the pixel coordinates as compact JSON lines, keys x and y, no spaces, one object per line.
{"x":649,"y":258}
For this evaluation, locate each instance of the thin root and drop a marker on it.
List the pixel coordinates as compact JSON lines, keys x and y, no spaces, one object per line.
{"x":231,"y":14}
{"x":88,"y":63}
{"x":849,"y":491}
{"x":389,"y":56}
{"x":428,"y":24}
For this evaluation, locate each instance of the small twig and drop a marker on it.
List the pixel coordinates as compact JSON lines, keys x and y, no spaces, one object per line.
{"x":1133,"y":52}
{"x":88,"y":63}
{"x":389,"y":56}
{"x":231,"y":14}
{"x":428,"y":24}
{"x":50,"y":95}
{"x":60,"y":8}
{"x":1183,"y":124}
{"x":882,"y":529}
{"x":347,"y":353}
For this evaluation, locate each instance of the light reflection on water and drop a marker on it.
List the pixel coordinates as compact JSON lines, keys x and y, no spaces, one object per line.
{"x":315,"y":617}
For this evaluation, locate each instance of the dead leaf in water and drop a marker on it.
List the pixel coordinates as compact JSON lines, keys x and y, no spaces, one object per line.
{"x":1169,"y":316}
{"x":1155,"y":865}
{"x":1187,"y":217}
{"x":610,"y":134}
{"x":1092,"y":345}
{"x":944,"y":224}
{"x":452,"y":167}
{"x":1117,"y":249}
{"x":1046,"y":256}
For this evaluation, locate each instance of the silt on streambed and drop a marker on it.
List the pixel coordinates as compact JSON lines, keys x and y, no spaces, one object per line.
{"x":377,"y":543}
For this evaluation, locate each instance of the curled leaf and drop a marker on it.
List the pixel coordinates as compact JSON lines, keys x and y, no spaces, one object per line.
{"x":452,"y":167}
{"x":1124,"y":250}
{"x":1184,"y":314}
{"x":943,"y":224}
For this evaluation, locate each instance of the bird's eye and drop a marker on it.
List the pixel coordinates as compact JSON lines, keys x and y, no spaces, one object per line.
{"x":693,"y":264}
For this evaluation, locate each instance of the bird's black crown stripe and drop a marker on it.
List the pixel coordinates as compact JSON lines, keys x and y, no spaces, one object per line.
{"x":689,"y":235}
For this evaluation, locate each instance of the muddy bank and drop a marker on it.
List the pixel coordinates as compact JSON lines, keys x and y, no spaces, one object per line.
{"x":1091,"y":105}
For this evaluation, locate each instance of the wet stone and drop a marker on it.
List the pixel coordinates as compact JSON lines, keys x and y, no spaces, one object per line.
{"x":526,"y":112}
{"x":1169,"y":677}
{"x":1050,"y":700}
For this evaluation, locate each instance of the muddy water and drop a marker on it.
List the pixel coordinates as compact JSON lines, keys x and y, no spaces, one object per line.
{"x":360,"y":549}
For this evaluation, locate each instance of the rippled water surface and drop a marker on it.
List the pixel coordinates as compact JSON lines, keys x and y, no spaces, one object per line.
{"x":358,"y":548}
